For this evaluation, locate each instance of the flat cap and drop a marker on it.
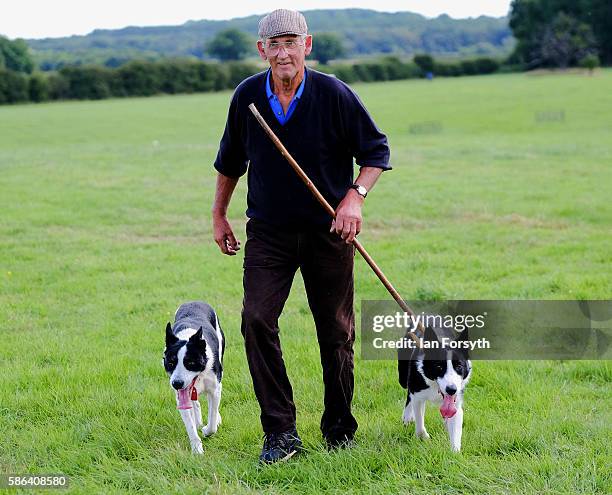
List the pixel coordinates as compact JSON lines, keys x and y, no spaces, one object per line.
{"x":282,"y":22}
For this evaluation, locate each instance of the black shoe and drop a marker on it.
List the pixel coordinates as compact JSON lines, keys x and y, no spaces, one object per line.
{"x":342,"y":441}
{"x":280,"y":446}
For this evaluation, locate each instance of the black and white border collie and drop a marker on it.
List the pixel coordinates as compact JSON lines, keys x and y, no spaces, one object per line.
{"x":193,"y":359}
{"x":437,"y":375}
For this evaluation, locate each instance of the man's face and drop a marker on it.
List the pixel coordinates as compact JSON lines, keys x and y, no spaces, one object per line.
{"x":286,"y":54}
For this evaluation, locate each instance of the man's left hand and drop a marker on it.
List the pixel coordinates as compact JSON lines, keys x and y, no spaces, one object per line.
{"x":348,"y":216}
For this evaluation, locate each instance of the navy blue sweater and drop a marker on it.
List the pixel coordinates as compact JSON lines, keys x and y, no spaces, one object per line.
{"x":329,"y":127}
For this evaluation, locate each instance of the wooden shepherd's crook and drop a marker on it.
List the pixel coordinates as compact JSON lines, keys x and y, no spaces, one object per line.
{"x":331,"y":211}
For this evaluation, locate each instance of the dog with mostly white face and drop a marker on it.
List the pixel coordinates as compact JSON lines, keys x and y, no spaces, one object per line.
{"x":439,"y":375}
{"x":193,"y":359}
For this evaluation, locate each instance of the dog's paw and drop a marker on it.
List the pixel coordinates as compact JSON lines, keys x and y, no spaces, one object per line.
{"x":456,"y":447}
{"x":209,"y":430}
{"x":408,"y":416}
{"x":423,"y":435}
{"x":196,"y":447}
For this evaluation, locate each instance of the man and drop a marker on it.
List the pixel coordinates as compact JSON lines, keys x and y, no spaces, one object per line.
{"x":324,"y":126}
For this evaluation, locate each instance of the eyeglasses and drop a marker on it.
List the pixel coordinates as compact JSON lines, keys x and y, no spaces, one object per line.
{"x":290,"y":46}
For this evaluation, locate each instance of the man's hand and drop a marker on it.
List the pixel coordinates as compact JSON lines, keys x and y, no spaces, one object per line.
{"x":224,"y":236}
{"x":348,"y":216}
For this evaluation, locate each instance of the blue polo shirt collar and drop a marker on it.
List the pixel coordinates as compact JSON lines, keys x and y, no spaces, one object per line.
{"x":275,"y":104}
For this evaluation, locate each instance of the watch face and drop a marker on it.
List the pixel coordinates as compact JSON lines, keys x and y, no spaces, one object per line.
{"x":360,"y":190}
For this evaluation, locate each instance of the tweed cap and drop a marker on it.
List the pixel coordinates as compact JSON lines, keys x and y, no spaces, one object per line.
{"x":282,"y":22}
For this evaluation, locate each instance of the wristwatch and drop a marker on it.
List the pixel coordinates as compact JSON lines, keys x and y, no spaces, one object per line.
{"x":362,"y":191}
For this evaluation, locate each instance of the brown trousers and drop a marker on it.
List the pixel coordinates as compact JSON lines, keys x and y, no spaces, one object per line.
{"x":272,"y":256}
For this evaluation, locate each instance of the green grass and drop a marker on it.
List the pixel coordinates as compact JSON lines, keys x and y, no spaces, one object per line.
{"x":105,"y":229}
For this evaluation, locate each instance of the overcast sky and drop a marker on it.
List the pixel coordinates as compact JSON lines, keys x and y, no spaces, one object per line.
{"x":52,"y":18}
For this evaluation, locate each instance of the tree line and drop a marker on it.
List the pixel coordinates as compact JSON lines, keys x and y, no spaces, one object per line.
{"x":186,"y":76}
{"x":133,"y":79}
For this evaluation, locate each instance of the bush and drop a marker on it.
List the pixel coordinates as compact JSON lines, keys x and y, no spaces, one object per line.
{"x":216,"y":74}
{"x":87,"y":83}
{"x":139,"y":79}
{"x":377,"y":71}
{"x":362,"y":73}
{"x":115,"y":84}
{"x":396,"y":69}
{"x":202,"y":77}
{"x":13,"y":87}
{"x":178,"y":77}
{"x":486,"y":65}
{"x":472,"y":67}
{"x":38,"y":88}
{"x":469,"y":67}
{"x":238,"y":72}
{"x":589,"y":62}
{"x":425,"y":63}
{"x":59,"y":88}
{"x":343,"y":72}
{"x":448,"y":69}
{"x":386,"y":69}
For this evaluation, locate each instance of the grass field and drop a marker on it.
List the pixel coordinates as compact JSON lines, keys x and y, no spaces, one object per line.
{"x":501,"y":189}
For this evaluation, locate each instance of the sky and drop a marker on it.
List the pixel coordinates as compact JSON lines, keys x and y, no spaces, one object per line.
{"x":54,"y":18}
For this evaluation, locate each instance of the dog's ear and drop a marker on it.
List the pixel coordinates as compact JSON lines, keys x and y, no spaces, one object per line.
{"x":197,"y":337}
{"x":170,"y":337}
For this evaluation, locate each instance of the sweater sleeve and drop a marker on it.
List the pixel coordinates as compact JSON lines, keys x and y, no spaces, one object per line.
{"x":368,"y":144}
{"x":231,"y":158}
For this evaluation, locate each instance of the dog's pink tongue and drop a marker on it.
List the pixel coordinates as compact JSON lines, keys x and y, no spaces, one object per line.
{"x":184,"y":397}
{"x":448,"y":409}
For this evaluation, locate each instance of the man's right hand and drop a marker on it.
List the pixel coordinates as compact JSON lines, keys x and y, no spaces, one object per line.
{"x":224,"y":236}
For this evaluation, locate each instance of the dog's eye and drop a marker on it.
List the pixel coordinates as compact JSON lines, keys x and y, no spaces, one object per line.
{"x":194,"y":364}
